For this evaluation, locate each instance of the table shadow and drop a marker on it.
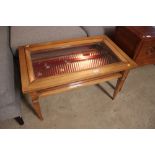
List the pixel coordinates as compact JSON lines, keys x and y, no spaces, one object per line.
{"x":103,"y":89}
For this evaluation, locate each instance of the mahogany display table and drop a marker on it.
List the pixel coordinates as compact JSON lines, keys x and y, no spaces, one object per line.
{"x":55,"y":67}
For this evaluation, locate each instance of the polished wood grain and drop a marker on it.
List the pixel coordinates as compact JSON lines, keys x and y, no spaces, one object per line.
{"x":23,"y":69}
{"x":78,"y":84}
{"x":126,"y":63}
{"x":68,"y":81}
{"x":36,"y":105}
{"x":138,"y":42}
{"x":62,"y":79}
{"x":120,"y":83}
{"x":29,"y":65}
{"x":42,"y":47}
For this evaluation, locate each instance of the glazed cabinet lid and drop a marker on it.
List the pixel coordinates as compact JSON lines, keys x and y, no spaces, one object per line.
{"x":53,"y":64}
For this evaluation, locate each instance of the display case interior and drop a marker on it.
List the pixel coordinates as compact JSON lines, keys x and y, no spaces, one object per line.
{"x":68,"y":60}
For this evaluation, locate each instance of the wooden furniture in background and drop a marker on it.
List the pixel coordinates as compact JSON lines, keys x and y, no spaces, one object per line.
{"x":138,"y":42}
{"x":55,"y":67}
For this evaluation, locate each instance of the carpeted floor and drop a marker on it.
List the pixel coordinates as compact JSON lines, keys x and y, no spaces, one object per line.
{"x":91,"y":107}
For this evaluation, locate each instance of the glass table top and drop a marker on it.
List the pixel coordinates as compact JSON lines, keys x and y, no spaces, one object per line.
{"x":69,"y":60}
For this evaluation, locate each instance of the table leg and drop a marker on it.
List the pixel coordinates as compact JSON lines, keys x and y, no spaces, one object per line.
{"x":120,"y":83}
{"x":36,"y":105}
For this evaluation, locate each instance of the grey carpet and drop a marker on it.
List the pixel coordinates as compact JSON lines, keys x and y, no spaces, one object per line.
{"x":91,"y":107}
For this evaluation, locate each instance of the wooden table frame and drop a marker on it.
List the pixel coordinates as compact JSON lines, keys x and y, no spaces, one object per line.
{"x":47,"y":86}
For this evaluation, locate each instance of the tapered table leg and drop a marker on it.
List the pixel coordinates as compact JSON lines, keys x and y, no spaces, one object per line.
{"x":36,"y":105}
{"x":120,"y":83}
